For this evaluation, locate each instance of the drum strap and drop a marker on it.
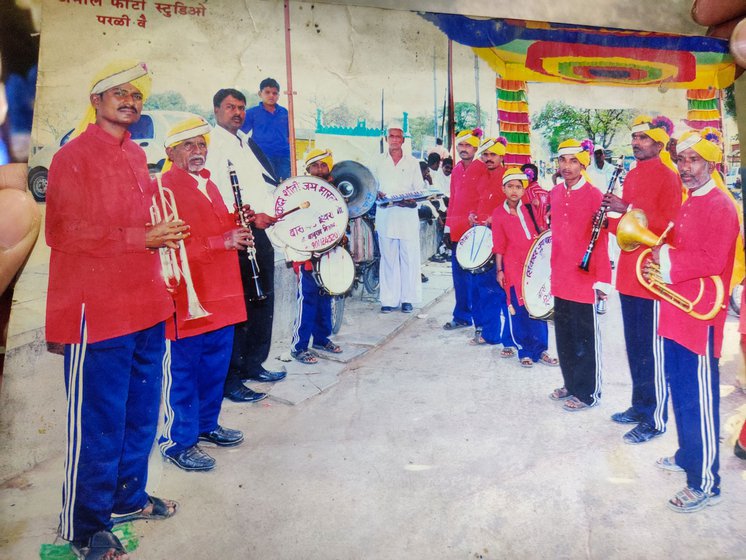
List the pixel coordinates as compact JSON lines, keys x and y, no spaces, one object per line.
{"x":533,"y":218}
{"x":269,"y":175}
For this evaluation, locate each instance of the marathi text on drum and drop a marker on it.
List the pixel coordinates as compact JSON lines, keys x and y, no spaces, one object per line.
{"x":534,"y":256}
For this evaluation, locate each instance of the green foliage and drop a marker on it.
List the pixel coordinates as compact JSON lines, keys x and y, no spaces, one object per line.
{"x":729,"y":101}
{"x":560,"y":121}
{"x":343,"y":115}
{"x":465,"y":115}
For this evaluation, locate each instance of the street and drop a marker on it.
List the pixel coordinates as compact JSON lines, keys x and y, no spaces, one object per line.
{"x":426,"y":448}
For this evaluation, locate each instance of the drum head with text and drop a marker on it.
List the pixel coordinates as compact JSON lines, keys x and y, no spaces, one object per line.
{"x":536,"y":281}
{"x":316,"y":214}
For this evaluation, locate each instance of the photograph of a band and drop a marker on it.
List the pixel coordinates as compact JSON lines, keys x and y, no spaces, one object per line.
{"x":336,"y":281}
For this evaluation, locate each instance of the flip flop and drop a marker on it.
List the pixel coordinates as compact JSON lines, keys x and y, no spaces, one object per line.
{"x":574,"y":404}
{"x":508,"y":352}
{"x":560,"y":394}
{"x":160,"y":510}
{"x":305,"y":357}
{"x":329,"y":347}
{"x":452,"y":325}
{"x":547,"y":360}
{"x":103,"y":545}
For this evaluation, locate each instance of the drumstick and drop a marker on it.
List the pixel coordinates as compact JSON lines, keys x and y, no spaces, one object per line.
{"x":304,"y":204}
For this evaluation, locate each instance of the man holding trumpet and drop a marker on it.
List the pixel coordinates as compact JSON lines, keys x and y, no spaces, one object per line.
{"x":700,"y":257}
{"x":208,"y":300}
{"x":107,"y":304}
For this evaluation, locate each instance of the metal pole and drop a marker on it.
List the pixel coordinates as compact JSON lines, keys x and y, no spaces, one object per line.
{"x":450,"y":123}
{"x":290,"y":92}
{"x":476,"y":86}
{"x":435,"y":99}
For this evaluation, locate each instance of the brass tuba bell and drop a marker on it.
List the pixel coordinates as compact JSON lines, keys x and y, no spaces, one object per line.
{"x":632,"y":231}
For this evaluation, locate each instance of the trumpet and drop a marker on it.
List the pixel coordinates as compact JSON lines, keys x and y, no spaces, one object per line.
{"x":174,"y":268}
{"x":255,"y":287}
{"x":632,"y":232}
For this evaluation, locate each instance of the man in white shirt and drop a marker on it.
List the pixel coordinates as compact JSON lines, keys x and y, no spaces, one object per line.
{"x":252,"y":338}
{"x":398,"y":227}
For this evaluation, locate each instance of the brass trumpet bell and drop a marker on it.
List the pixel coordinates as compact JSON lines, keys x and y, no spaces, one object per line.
{"x":632,"y":231}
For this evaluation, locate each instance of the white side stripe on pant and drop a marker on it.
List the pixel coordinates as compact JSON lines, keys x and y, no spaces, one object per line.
{"x":168,"y":409}
{"x":74,"y":430}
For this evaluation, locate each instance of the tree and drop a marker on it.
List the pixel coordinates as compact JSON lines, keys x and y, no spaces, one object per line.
{"x":174,"y":101}
{"x":465,"y":115}
{"x":561,"y":121}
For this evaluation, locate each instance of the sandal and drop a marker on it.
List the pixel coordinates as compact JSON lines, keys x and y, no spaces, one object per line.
{"x":329,"y":347}
{"x":161,"y":509}
{"x":690,"y":500}
{"x":574,"y":404}
{"x":103,"y":545}
{"x":560,"y":394}
{"x":527,"y":362}
{"x":508,"y":352}
{"x":547,"y":360}
{"x":305,"y":357}
{"x":452,"y":325}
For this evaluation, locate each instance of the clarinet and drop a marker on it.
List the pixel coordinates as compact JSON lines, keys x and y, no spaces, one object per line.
{"x":255,"y":292}
{"x":600,"y":217}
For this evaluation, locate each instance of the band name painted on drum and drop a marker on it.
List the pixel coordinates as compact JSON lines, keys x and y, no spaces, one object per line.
{"x":535,"y":255}
{"x":321,"y":189}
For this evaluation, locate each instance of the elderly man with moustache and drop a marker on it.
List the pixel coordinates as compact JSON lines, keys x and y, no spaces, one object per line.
{"x":200,"y":333}
{"x":699,"y":254}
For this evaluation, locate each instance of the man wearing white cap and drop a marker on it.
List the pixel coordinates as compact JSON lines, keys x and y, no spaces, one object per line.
{"x":699,"y":255}
{"x":199,"y":345}
{"x":107,"y":303}
{"x":655,"y":189}
{"x":398,"y":227}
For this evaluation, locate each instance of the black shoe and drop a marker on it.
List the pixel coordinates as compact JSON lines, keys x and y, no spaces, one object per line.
{"x":424,"y":278}
{"x":629,"y":416}
{"x":267,"y":376}
{"x":222,"y":437}
{"x":96,"y":545}
{"x":387,"y":309}
{"x":244,"y":394}
{"x":192,"y":459}
{"x":739,"y":451}
{"x":406,"y":308}
{"x":641,"y":433}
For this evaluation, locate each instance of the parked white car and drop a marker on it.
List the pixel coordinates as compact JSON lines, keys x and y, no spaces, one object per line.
{"x":149,"y":132}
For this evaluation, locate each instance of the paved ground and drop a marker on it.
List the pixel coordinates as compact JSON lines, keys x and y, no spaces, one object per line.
{"x":423,"y":447}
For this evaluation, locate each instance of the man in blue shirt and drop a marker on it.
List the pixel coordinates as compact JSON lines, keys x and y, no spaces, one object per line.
{"x":268,"y":125}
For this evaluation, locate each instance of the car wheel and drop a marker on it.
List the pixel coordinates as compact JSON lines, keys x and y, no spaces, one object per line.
{"x":37,"y":183}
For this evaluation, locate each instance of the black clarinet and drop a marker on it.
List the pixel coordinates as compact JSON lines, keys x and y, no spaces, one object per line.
{"x":255,"y":292}
{"x":600,"y":217}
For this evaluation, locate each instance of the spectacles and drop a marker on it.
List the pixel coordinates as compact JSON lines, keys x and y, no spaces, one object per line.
{"x":190,"y":146}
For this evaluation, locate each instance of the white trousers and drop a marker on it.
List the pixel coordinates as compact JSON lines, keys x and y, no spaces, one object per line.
{"x":399,"y":271}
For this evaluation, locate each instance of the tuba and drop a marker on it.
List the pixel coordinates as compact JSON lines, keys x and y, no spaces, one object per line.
{"x":174,"y":268}
{"x":632,"y":232}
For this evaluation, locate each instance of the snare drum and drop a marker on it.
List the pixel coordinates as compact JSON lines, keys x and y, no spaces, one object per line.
{"x":474,"y":250}
{"x":316,"y":215}
{"x":334,"y":271}
{"x":537,"y":295}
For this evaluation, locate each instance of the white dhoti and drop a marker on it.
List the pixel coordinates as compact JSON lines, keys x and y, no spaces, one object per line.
{"x":400,"y":271}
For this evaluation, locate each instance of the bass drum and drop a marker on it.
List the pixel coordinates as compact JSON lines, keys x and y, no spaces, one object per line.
{"x":334,"y":271}
{"x":535,"y":283}
{"x":315,"y":215}
{"x":474,"y":250}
